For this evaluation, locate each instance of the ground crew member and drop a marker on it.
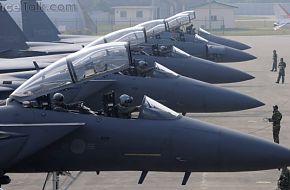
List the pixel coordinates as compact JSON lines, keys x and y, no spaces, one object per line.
{"x":59,"y":105}
{"x":275,"y":61}
{"x":284,"y":179}
{"x":123,"y":108}
{"x":282,"y":66}
{"x":276,"y":119}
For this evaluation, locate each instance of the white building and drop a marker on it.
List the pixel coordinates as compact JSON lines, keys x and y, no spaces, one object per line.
{"x":215,"y":15}
{"x":132,"y":15}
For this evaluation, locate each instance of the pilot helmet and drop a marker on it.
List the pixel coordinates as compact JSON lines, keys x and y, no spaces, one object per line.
{"x":125,"y":99}
{"x":142,"y":64}
{"x":58,"y":97}
{"x":162,"y":48}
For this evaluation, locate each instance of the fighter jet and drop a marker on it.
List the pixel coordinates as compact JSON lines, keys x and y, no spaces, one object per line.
{"x":188,"y":65}
{"x":13,"y":43}
{"x":89,"y":74}
{"x":173,"y":58}
{"x":159,"y":32}
{"x":167,"y":56}
{"x":37,"y":26}
{"x":190,"y":29}
{"x":282,"y":17}
{"x":36,"y":139}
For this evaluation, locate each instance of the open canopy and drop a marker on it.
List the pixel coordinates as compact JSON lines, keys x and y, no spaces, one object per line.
{"x":134,"y":35}
{"x":153,"y":110}
{"x":85,"y":64}
{"x":190,"y":14}
{"x":177,"y":21}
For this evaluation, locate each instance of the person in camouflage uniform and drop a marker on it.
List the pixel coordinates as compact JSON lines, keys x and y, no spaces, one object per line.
{"x":282,"y":66}
{"x":276,"y":119}
{"x":275,"y":61}
{"x":284,"y":179}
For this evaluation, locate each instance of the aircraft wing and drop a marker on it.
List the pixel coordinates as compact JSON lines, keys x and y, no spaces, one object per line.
{"x":38,"y":136}
{"x":277,"y":27}
{"x":26,"y":64}
{"x":77,"y":39}
{"x":56,"y":48}
{"x":6,"y":89}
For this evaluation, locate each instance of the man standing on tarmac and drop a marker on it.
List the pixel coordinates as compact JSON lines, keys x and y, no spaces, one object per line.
{"x":275,"y":61}
{"x":276,"y":119}
{"x":281,"y":66}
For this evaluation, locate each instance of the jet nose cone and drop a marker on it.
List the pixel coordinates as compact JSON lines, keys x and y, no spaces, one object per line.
{"x":235,"y":55}
{"x":227,"y":42}
{"x":200,"y":97}
{"x":224,"y":100}
{"x":229,"y":75}
{"x":251,"y":153}
{"x":212,"y":72}
{"x":241,"y":46}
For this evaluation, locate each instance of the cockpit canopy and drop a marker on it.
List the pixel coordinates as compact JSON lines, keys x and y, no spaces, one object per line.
{"x":134,"y":35}
{"x":85,"y":64}
{"x":152,"y":110}
{"x":177,"y":21}
{"x":190,"y":14}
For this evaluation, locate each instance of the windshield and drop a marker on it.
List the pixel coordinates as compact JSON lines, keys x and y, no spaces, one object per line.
{"x":153,"y":110}
{"x":134,"y":35}
{"x":199,"y":38}
{"x":176,"y":52}
{"x":203,"y":31}
{"x":162,"y":72}
{"x":95,"y":61}
{"x":177,"y":21}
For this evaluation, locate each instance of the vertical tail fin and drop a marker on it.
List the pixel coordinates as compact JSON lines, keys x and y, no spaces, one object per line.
{"x":37,"y":26}
{"x":11,"y":36}
{"x":281,"y":12}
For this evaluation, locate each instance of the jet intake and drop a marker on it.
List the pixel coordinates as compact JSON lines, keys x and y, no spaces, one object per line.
{"x":217,"y":50}
{"x":215,"y":53}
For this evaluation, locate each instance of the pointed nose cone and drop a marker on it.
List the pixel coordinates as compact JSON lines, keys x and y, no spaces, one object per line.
{"x":211,"y":148}
{"x":241,"y":152}
{"x":211,"y":72}
{"x":199,"y":97}
{"x":227,"y":42}
{"x":236,"y":44}
{"x":223,"y":100}
{"x":235,"y":55}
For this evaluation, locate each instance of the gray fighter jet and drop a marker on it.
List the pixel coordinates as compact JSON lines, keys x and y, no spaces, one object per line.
{"x":190,"y":29}
{"x":188,"y":65}
{"x":173,"y":58}
{"x":168,"y":56}
{"x":35,"y":139}
{"x":89,"y":74}
{"x":159,"y":31}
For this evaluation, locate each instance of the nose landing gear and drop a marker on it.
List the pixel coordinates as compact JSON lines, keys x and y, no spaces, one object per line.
{"x":4,"y":180}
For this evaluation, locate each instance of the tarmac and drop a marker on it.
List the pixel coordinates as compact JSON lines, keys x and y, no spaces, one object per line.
{"x":263,"y":87}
